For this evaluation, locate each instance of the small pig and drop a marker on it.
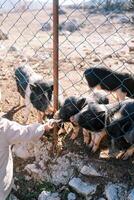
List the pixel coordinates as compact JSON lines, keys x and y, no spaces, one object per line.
{"x":122,"y":126}
{"x":95,"y":117}
{"x":36,"y":91}
{"x":73,"y":105}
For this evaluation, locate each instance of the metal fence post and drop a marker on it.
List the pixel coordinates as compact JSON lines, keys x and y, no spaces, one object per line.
{"x":55,"y":59}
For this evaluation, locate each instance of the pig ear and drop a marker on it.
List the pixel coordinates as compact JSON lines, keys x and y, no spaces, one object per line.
{"x":81,"y":102}
{"x":32,"y":86}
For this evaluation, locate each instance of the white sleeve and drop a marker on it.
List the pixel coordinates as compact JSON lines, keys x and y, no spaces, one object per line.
{"x":16,"y":133}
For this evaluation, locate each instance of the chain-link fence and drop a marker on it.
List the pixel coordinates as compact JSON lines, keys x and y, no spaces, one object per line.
{"x":26,"y":38}
{"x":45,"y":44}
{"x":91,"y":33}
{"x":94,"y":33}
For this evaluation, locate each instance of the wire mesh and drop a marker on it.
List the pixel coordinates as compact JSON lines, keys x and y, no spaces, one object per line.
{"x":91,"y":33}
{"x":28,"y":27}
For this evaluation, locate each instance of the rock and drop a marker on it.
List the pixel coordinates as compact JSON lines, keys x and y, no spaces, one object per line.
{"x":3,"y":36}
{"x":46,"y":26}
{"x":96,"y":60}
{"x":101,"y":199}
{"x":131,"y":49}
{"x":124,"y":20}
{"x":89,"y":171}
{"x":71,"y":196}
{"x":61,"y":171}
{"x":131,"y":195}
{"x":83,"y":188}
{"x":115,"y":192}
{"x":48,"y":196}
{"x":28,"y":178}
{"x":12,"y":197}
{"x":112,"y":16}
{"x":24,"y":150}
{"x":54,"y":196}
{"x":130,"y":61}
{"x":44,"y":195}
{"x":34,"y":170}
{"x":70,"y":26}
{"x":62,"y":12}
{"x":12,"y":48}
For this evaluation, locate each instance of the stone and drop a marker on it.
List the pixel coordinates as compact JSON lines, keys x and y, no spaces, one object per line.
{"x":44,"y":195}
{"x":61,"y":169}
{"x":130,"y":61}
{"x":131,"y":49}
{"x":71,"y":196}
{"x":12,"y":48}
{"x":12,"y":197}
{"x":89,"y":171}
{"x":24,"y":150}
{"x":62,"y":12}
{"x":46,"y":26}
{"x":131,"y":195}
{"x":124,"y":20}
{"x":28,"y":178}
{"x":61,"y":173}
{"x":83,"y":188}
{"x":96,"y":60}
{"x":34,"y":170}
{"x":115,"y":192}
{"x":48,"y":196}
{"x":70,"y":26}
{"x":54,"y":196}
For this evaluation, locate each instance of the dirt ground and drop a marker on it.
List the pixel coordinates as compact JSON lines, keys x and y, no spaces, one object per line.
{"x":102,"y":41}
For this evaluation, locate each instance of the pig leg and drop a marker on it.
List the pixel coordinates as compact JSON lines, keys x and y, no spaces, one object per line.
{"x":128,"y":153}
{"x":92,"y":140}
{"x":96,"y":138}
{"x":75,"y":133}
{"x":86,"y":136}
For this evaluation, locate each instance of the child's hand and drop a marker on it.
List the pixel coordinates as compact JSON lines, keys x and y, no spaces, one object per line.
{"x":49,"y":125}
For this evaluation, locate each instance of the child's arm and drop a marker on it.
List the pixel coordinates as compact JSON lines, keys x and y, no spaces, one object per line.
{"x":15,"y":133}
